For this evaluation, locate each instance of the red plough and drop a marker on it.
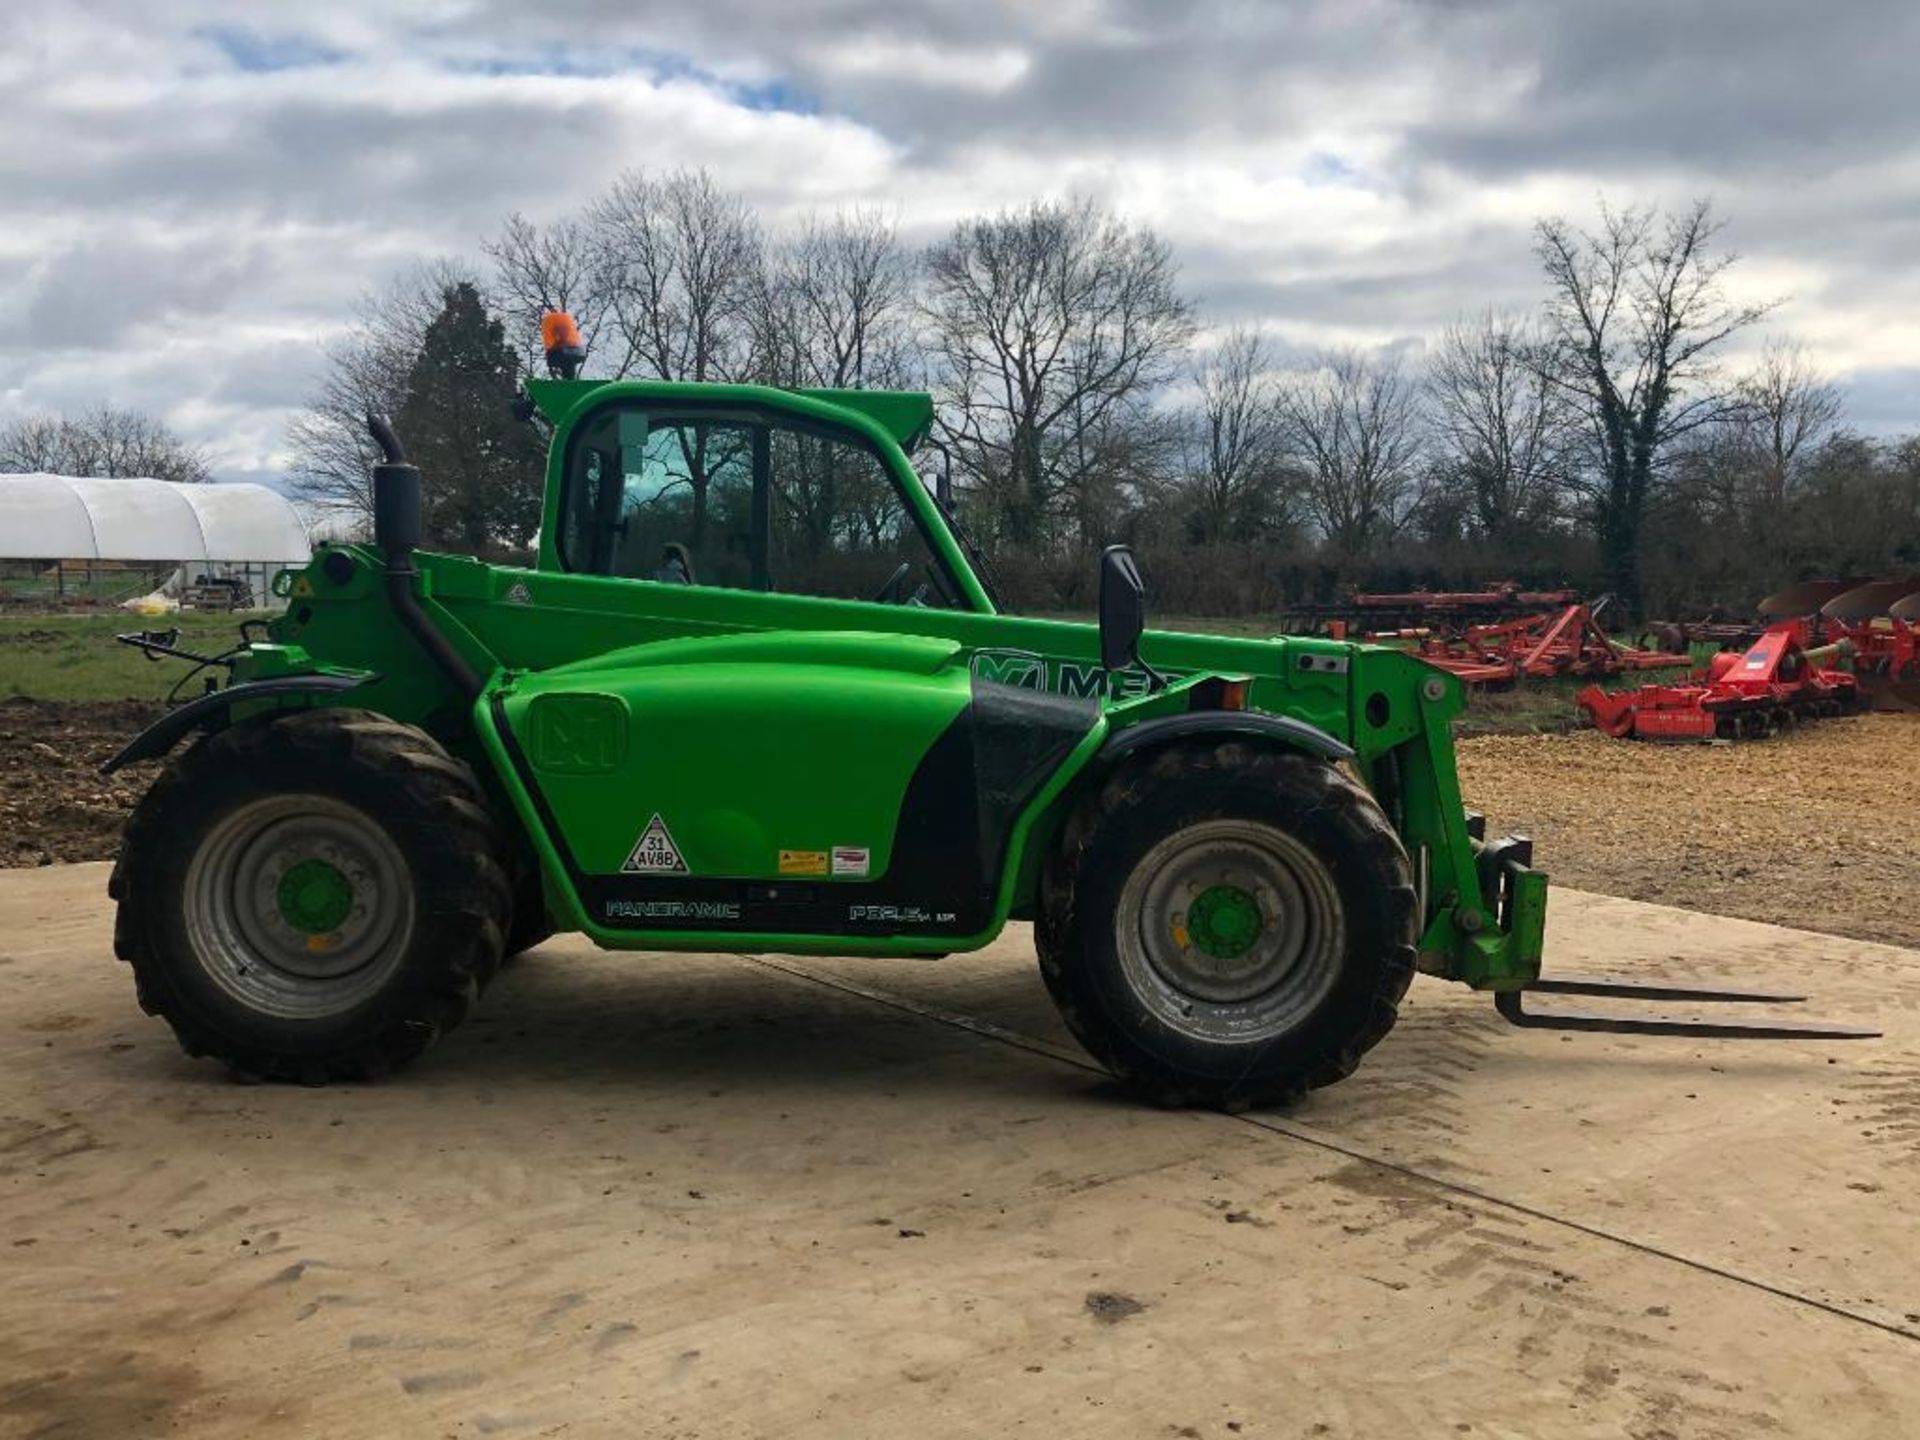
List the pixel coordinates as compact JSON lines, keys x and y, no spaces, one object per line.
{"x":1882,"y":622}
{"x":1775,"y":682}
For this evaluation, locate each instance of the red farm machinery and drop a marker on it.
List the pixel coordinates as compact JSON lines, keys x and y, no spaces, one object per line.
{"x":1783,"y":669}
{"x":1497,"y":636}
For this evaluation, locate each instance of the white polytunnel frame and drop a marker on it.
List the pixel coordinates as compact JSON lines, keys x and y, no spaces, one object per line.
{"x":67,"y":539}
{"x":64,"y":517}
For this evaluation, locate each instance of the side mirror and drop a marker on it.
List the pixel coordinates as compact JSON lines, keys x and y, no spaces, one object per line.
{"x":943,"y":482}
{"x":1123,"y":608}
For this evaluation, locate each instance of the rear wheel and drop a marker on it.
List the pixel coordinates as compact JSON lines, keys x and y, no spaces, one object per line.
{"x":1227,"y":926}
{"x":312,"y":896}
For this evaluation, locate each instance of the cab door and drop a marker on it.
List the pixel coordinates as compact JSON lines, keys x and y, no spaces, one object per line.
{"x":749,"y":501}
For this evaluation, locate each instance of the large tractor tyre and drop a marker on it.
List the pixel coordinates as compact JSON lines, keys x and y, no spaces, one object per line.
{"x":1227,"y":926}
{"x":313,"y":896}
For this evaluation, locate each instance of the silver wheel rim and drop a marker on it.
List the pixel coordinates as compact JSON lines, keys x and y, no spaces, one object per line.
{"x":1280,"y":976}
{"x":236,"y":918}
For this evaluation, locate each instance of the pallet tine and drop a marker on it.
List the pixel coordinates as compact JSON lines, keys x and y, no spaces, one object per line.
{"x":1655,"y":990}
{"x":1512,"y":1007}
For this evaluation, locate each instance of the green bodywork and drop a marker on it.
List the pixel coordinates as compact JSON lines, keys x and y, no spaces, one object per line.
{"x":775,"y":737}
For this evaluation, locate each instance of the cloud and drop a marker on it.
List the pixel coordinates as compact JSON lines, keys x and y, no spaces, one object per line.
{"x":253,"y":50}
{"x":193,"y":196}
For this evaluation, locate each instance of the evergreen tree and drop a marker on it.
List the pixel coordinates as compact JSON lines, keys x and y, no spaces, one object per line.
{"x":481,"y":469}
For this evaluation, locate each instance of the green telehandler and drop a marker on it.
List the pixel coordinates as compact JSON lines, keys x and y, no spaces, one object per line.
{"x":756,"y":694}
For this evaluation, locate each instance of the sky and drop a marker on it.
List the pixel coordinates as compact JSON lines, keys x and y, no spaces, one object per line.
{"x":194,"y":193}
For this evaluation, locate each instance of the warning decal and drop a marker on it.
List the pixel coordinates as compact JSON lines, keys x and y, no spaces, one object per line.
{"x":803,"y":862}
{"x":654,"y":853}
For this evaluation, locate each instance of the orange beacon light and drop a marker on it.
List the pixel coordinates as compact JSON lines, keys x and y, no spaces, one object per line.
{"x":560,"y":338}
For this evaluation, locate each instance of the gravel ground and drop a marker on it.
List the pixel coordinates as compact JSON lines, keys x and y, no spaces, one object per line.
{"x":1814,"y":829}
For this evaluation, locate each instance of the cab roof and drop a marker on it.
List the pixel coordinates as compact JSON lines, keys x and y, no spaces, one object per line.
{"x":905,"y":415}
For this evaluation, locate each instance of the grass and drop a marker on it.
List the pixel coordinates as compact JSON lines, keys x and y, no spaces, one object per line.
{"x":1533,"y":707}
{"x":73,"y":657}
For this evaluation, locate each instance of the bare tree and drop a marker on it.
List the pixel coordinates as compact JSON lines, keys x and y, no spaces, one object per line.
{"x":834,"y":306}
{"x":1237,"y":477}
{"x":1051,"y":327}
{"x":103,"y":441}
{"x":833,"y":312}
{"x":1790,"y":408}
{"x":678,"y":262}
{"x":365,"y":373}
{"x":537,"y":269}
{"x":1500,"y":422}
{"x":1634,"y":314}
{"x":1351,"y":426}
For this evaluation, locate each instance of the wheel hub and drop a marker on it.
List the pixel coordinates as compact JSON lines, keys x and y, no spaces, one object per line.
{"x":1232,"y":929}
{"x":1224,"y":921}
{"x":299,"y":906}
{"x":315,"y":897}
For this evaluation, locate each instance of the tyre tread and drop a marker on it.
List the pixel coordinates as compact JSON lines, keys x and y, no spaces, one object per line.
{"x":437,"y":801}
{"x":1352,"y":809}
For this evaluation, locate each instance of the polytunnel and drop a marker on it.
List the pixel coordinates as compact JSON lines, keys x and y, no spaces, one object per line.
{"x":99,"y":536}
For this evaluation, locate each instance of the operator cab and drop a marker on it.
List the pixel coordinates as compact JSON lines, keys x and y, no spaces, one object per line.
{"x":743,"y":497}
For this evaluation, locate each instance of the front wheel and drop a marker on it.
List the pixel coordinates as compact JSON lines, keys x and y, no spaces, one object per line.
{"x":312,"y":896}
{"x":1228,"y":926}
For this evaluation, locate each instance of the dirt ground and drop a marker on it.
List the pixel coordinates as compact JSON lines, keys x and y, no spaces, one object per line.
{"x":54,"y":805}
{"x":1818,"y":828}
{"x":717,"y":1196}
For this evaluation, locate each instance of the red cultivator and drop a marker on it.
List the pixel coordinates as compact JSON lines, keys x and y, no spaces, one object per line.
{"x":1773,"y":683}
{"x":1538,"y":647}
{"x":1362,"y":610}
{"x":1779,"y":678}
{"x":1493,"y":637}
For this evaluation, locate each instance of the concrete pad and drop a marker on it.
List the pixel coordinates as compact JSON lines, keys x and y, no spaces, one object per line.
{"x":714,"y":1195}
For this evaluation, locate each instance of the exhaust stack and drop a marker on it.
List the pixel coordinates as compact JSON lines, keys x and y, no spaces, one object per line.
{"x":397,"y":528}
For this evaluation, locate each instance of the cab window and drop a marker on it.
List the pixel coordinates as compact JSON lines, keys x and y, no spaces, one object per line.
{"x":740,"y":501}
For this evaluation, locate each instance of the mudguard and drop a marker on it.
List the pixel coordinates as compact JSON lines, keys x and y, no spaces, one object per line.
{"x":209,"y":710}
{"x":1280,"y":729}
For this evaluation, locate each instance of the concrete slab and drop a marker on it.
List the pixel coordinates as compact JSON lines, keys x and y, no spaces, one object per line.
{"x":712,"y":1196}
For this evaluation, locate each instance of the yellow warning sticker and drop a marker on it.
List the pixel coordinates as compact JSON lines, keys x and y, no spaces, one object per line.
{"x":803,"y":862}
